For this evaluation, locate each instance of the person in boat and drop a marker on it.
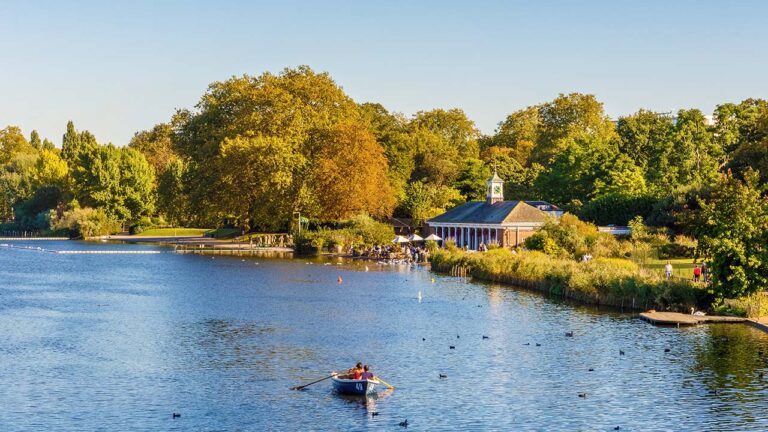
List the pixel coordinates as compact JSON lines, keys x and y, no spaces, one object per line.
{"x":353,"y":373}
{"x":367,"y":374}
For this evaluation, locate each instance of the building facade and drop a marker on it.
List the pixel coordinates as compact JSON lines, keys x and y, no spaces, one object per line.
{"x":493,"y":221}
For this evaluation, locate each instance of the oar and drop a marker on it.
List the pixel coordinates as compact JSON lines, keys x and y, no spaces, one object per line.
{"x":313,"y":382}
{"x":391,"y":387}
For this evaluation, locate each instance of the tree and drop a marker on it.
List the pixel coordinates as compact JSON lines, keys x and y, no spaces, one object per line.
{"x":570,"y":179}
{"x":390,"y":132}
{"x":519,"y":133}
{"x":749,"y":140}
{"x":12,"y":143}
{"x":472,"y":180}
{"x":695,"y":157}
{"x":452,"y":126}
{"x":567,"y":118}
{"x":293,"y":107}
{"x":73,"y":144}
{"x":34,"y":140}
{"x":647,"y":138}
{"x":171,"y":193}
{"x":156,"y":146}
{"x":424,"y":201}
{"x":518,"y":180}
{"x":258,"y":184}
{"x":119,"y":181}
{"x":732,"y":229}
{"x":349,"y":174}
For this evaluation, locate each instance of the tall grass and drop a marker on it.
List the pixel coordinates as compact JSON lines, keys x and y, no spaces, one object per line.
{"x":606,"y":281}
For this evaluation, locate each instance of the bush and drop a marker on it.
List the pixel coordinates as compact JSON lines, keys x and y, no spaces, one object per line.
{"x":570,"y":237}
{"x":86,"y":222}
{"x":676,"y":250}
{"x":611,"y":281}
{"x":360,"y":231}
{"x":617,"y":209}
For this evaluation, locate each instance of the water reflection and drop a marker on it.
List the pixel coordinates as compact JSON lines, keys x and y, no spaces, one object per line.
{"x":99,"y":342}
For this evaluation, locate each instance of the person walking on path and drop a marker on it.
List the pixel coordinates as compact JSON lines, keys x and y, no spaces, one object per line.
{"x":668,"y":270}
{"x":696,"y":273}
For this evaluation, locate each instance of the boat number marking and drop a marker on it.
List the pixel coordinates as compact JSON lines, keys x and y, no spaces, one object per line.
{"x":359,"y":386}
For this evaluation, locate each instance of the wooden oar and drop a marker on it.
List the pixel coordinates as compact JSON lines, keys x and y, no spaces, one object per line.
{"x":313,"y":382}
{"x":391,"y":387}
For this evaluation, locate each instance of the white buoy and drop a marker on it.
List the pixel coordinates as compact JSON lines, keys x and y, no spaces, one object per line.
{"x":366,"y":268}
{"x":419,"y":296}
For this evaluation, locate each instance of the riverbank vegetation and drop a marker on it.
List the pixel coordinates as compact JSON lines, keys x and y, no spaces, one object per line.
{"x":607,"y":281}
{"x":257,"y":151}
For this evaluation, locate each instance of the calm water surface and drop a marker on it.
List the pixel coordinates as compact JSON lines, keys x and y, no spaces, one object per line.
{"x":119,"y":342}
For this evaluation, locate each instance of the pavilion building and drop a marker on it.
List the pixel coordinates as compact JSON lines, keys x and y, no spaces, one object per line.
{"x":493,"y":221}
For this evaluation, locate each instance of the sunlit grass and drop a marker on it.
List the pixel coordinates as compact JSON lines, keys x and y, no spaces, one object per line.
{"x":161,"y":232}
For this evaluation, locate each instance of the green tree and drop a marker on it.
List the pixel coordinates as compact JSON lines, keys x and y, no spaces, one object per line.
{"x":258,"y":180}
{"x":34,"y":140}
{"x":424,"y":201}
{"x":74,"y":144}
{"x":732,"y":230}
{"x":293,"y":107}
{"x":12,"y":143}
{"x":156,"y":146}
{"x":571,"y":177}
{"x":519,"y":133}
{"x":172,"y":201}
{"x":472,"y":180}
{"x":119,"y":181}
{"x":647,"y":138}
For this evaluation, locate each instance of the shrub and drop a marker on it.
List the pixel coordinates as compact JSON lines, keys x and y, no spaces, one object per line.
{"x":86,"y":222}
{"x":612,"y":281}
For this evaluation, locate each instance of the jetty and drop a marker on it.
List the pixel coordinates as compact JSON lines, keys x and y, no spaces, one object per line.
{"x":676,"y":318}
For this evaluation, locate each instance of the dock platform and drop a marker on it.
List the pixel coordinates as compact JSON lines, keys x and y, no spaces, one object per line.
{"x":676,"y":318}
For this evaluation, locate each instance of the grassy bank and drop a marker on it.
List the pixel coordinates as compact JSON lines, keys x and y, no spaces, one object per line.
{"x":162,"y":232}
{"x":604,"y":281}
{"x":681,"y":267}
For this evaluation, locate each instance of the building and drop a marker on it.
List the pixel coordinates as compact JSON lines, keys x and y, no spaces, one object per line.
{"x":493,"y":221}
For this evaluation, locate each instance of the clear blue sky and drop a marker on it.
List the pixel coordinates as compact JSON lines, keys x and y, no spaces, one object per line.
{"x":119,"y":67}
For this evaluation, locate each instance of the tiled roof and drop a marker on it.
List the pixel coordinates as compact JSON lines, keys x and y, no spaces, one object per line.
{"x":483,"y":213}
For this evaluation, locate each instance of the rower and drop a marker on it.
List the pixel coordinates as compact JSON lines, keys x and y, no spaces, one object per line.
{"x":367,"y":375}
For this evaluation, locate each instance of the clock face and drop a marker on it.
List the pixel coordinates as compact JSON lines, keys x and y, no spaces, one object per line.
{"x":497,"y":189}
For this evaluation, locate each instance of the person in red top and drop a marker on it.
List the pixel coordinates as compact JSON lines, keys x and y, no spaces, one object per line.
{"x":353,"y":373}
{"x":696,"y":274}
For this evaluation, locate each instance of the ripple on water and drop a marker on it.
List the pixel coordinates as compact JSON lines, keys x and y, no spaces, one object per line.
{"x":103,"y":342}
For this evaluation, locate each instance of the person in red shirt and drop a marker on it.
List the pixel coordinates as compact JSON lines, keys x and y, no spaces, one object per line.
{"x":353,"y":373}
{"x":696,"y":274}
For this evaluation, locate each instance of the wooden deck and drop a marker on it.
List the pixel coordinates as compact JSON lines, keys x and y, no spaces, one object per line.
{"x":675,"y":318}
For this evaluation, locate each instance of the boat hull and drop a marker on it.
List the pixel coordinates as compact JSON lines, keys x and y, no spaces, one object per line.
{"x":354,"y":387}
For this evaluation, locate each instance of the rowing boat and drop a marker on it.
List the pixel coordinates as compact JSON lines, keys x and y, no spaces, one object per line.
{"x":353,"y":386}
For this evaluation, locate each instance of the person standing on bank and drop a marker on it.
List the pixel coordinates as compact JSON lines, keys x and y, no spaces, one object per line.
{"x":668,"y":270}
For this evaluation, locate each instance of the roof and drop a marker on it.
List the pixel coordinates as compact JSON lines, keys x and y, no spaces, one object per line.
{"x":495,"y":177}
{"x":498,"y":213}
{"x":543,"y":205}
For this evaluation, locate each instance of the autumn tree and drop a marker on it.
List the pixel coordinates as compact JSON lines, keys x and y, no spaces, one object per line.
{"x":349,"y":174}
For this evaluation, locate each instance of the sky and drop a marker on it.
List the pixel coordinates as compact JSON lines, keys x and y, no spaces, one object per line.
{"x":116,"y":68}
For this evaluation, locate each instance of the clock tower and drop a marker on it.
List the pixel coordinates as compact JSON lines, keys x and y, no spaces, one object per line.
{"x":495,"y":189}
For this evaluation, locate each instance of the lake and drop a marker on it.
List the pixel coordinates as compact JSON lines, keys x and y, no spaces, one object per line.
{"x":120,"y":342}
